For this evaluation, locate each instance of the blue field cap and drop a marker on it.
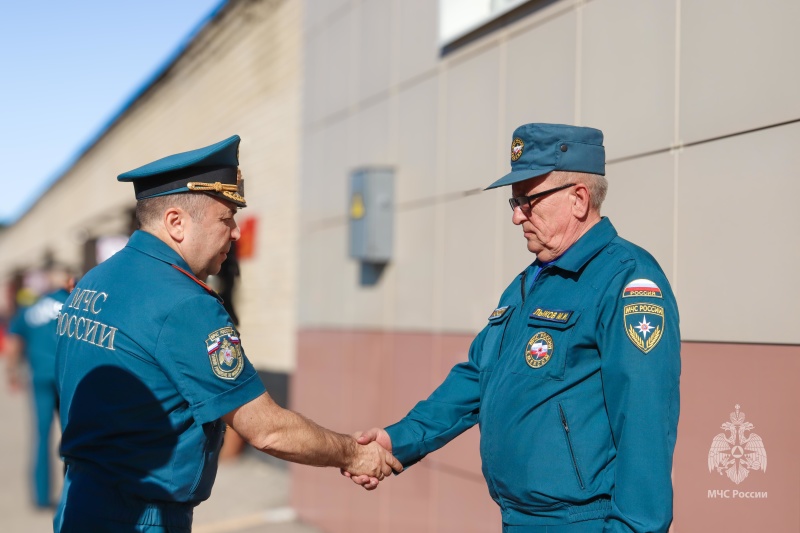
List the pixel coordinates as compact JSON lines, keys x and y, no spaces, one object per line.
{"x":212,"y":170}
{"x":537,"y":149}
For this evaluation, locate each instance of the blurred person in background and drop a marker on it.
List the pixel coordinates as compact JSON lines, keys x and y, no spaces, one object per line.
{"x":574,"y":379}
{"x":150,"y":367}
{"x":225,"y":282}
{"x":31,"y":343}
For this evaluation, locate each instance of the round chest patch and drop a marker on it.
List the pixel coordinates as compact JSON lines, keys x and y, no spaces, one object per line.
{"x":516,"y":148}
{"x":539,"y":350}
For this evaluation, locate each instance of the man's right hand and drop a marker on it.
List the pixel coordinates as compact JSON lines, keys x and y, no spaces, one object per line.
{"x":378,"y":435}
{"x":367,"y":438}
{"x":371,"y":460}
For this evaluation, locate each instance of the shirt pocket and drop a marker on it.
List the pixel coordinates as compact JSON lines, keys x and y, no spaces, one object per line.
{"x":495,"y":333}
{"x":207,"y":469}
{"x":545,"y":346}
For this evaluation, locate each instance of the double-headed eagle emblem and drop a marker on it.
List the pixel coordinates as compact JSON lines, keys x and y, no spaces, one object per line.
{"x":736,"y":454}
{"x":225,"y":353}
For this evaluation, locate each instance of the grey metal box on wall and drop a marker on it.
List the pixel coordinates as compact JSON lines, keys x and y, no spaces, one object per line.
{"x":371,"y":214}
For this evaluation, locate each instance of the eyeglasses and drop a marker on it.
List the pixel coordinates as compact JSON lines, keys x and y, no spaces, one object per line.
{"x":524,"y":202}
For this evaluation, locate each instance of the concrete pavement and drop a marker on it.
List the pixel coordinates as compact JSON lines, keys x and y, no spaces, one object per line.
{"x":251,"y":495}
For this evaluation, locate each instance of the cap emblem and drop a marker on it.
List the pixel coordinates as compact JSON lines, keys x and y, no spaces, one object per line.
{"x":239,"y":182}
{"x":516,"y":148}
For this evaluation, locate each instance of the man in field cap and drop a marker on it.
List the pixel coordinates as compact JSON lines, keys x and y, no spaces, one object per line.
{"x":151,"y":368}
{"x":574,"y":378}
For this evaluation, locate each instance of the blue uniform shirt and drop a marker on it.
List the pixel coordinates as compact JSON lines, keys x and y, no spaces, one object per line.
{"x":574,"y":383}
{"x":147,"y":363}
{"x":36,"y":325}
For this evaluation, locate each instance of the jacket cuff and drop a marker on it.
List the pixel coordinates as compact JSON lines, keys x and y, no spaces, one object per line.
{"x":406,"y":444}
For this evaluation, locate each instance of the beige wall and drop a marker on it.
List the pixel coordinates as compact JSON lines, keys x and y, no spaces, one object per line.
{"x":679,"y":88}
{"x":242,"y":75}
{"x":652,"y":75}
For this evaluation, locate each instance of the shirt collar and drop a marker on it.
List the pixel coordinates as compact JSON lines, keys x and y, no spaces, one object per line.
{"x":587,"y":246}
{"x":151,"y":245}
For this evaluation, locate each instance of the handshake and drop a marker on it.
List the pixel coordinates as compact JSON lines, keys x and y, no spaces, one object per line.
{"x":365,"y":457}
{"x":373,"y":459}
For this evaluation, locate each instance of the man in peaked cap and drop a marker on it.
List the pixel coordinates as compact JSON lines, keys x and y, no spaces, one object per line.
{"x":574,"y":379}
{"x":150,"y":367}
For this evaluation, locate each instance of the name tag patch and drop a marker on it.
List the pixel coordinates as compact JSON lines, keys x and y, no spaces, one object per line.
{"x":641,"y":287}
{"x":497,"y":313}
{"x":644,"y":324}
{"x":552,"y":315}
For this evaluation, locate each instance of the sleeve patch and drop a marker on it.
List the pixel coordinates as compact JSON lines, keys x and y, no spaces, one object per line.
{"x":641,"y":287}
{"x":225,"y":353}
{"x":644,"y":324}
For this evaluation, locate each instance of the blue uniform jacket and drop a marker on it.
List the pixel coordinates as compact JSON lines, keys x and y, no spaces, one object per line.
{"x":574,"y":383}
{"x":147,"y":363}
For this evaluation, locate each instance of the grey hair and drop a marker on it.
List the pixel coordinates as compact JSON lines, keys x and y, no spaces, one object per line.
{"x":597,"y":185}
{"x":149,"y":210}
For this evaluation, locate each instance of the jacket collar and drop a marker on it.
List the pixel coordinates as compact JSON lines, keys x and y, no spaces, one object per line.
{"x":149,"y":244}
{"x":594,"y":240}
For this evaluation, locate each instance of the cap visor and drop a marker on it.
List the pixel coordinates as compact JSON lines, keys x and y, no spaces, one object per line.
{"x":519,"y":175}
{"x":223,"y":196}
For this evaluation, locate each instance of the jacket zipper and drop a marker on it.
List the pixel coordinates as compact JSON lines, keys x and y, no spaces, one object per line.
{"x":569,"y":445}
{"x":535,"y":279}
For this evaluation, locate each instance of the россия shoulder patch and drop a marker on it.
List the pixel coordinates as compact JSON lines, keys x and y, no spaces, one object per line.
{"x":641,"y":287}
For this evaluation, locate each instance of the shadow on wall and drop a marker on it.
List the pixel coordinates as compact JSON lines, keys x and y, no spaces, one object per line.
{"x":370,"y":273}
